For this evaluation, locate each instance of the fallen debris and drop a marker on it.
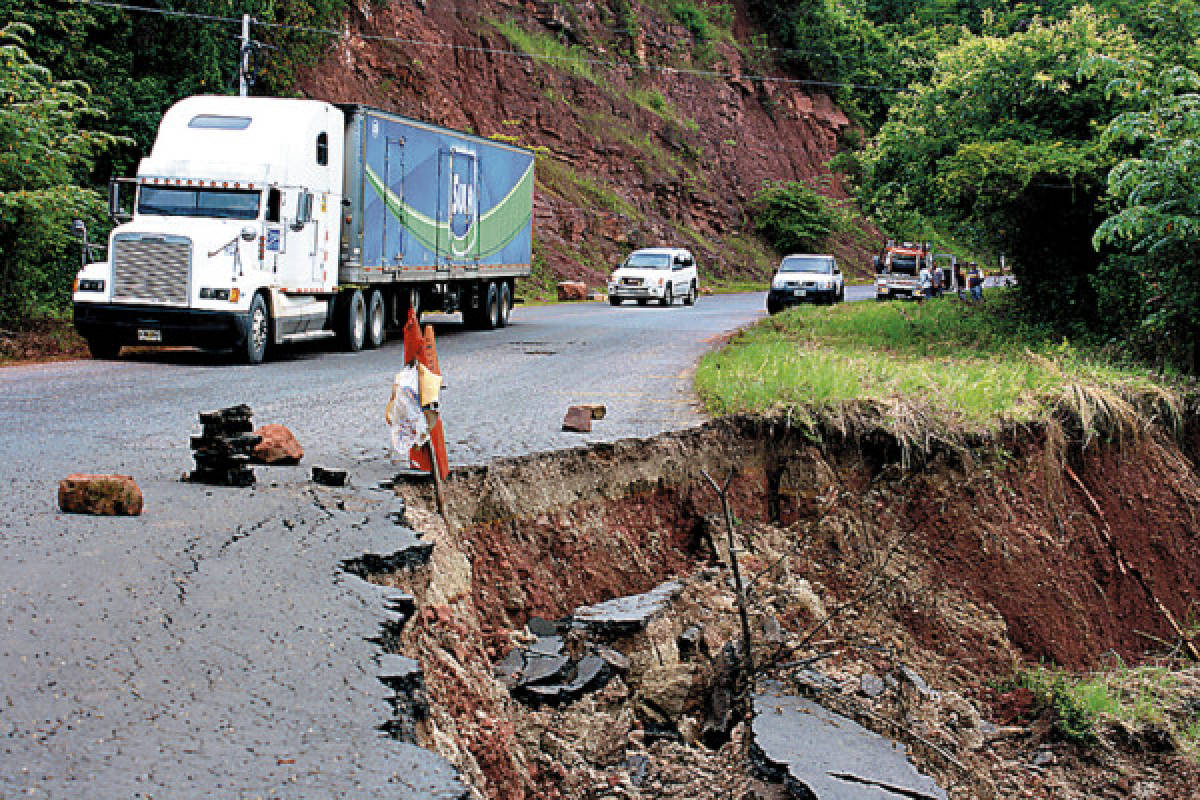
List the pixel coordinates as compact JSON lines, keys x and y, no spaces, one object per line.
{"x":278,"y":445}
{"x":102,"y":495}
{"x":329,"y":477}
{"x":578,"y":420}
{"x":818,"y":754}
{"x":624,"y":615}
{"x":223,"y":450}
{"x":572,"y":290}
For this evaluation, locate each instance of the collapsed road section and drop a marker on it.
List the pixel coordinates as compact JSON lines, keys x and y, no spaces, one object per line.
{"x":896,"y":598}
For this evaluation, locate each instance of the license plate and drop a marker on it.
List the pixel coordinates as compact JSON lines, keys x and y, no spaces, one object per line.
{"x":883,"y":290}
{"x":149,"y":335}
{"x":799,"y":292}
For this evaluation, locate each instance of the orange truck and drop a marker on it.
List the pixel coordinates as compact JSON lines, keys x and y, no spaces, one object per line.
{"x":898,"y":267}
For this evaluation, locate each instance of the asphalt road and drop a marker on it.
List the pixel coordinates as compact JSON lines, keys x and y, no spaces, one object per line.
{"x":212,"y":647}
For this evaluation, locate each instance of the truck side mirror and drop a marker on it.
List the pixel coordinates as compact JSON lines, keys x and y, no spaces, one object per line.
{"x":303,"y":210}
{"x":79,"y":229}
{"x":114,"y":201}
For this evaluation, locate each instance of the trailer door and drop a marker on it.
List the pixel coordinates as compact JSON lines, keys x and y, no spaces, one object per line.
{"x":458,"y":209}
{"x":391,"y":233}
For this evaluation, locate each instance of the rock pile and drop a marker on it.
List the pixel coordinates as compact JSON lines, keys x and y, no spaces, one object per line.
{"x":223,"y":450}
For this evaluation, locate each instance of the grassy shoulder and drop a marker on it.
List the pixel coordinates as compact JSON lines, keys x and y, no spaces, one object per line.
{"x":969,"y":368}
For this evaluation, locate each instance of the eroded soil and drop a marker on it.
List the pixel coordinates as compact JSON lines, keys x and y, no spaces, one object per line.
{"x":862,"y":575}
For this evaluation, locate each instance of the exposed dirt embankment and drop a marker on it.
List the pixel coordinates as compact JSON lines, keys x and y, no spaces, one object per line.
{"x":956,"y":569}
{"x":635,"y":153}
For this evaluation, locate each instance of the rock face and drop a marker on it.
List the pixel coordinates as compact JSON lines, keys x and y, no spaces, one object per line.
{"x":635,"y":154}
{"x":278,"y":446}
{"x":104,"y":495}
{"x":572,"y":290}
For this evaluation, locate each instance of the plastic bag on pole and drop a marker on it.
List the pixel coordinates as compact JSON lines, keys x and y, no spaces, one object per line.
{"x":404,"y":415}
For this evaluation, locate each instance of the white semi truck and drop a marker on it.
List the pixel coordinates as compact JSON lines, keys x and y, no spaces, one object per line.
{"x":257,"y":221}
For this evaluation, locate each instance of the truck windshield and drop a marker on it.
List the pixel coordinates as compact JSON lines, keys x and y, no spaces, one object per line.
{"x":906,"y":265}
{"x":807,"y":264}
{"x":649,"y":260}
{"x":180,"y":201}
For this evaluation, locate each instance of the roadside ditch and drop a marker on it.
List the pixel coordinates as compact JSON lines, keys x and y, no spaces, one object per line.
{"x":903,"y":598}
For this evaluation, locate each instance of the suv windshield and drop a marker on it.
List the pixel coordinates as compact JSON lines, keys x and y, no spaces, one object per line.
{"x":649,"y":260}
{"x":906,"y":265}
{"x":187,"y":202}
{"x":807,"y":264}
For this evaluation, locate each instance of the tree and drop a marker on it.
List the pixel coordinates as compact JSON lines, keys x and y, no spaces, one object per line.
{"x":792,"y":217}
{"x":1151,"y":280}
{"x":1002,"y":145}
{"x":48,"y":149}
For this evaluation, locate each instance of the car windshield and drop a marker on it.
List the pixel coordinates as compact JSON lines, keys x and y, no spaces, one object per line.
{"x":807,"y":264}
{"x":187,"y":202}
{"x":649,"y":260}
{"x":906,"y":265}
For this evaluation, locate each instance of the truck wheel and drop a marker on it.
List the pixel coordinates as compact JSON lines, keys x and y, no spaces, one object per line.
{"x":103,"y":349}
{"x":690,"y":298}
{"x":258,"y":331}
{"x":353,"y":321}
{"x":506,"y":304}
{"x":413,"y":302}
{"x":373,"y":337}
{"x":490,"y":318}
{"x":667,"y":299}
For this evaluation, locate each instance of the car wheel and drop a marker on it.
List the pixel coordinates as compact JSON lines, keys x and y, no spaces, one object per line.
{"x":842,"y":294}
{"x":103,"y":349}
{"x":690,"y":298}
{"x":773,"y":306}
{"x":375,"y":327}
{"x":667,"y":299}
{"x":643,"y":300}
{"x":505,"y":308}
{"x":258,"y":332}
{"x":353,"y":328}
{"x":614,"y":301}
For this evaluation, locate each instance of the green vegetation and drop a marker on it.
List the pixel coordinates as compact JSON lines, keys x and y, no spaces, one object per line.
{"x":939,"y":368}
{"x":547,"y":48}
{"x":46,"y":124}
{"x":792,"y":217}
{"x":1156,"y":696}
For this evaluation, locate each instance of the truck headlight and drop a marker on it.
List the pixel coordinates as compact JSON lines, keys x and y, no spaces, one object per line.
{"x":91,"y":285}
{"x":220,"y":294}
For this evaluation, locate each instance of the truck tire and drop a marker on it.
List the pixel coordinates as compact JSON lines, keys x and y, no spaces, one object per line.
{"x":506,"y":304}
{"x":258,"y":331}
{"x":103,"y":349}
{"x":352,"y":321}
{"x":667,"y":299}
{"x":487,"y":316}
{"x":413,"y":301}
{"x":690,"y":298}
{"x":374,"y":332}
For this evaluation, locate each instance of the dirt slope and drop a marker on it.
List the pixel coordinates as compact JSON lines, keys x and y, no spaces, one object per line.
{"x":957,"y":571}
{"x":632,"y":156}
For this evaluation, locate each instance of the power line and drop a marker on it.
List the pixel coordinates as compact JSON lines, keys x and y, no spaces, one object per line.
{"x":668,"y":70}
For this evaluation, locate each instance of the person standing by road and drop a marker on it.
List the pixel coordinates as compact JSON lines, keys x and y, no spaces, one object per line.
{"x":975,"y":283}
{"x":925,"y":283}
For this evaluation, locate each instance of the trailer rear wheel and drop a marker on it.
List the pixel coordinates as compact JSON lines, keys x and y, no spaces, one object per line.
{"x":352,"y":323}
{"x":506,"y":304}
{"x":373,"y":336}
{"x":258,"y":331}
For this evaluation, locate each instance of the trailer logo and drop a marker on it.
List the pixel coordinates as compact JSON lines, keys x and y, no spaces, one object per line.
{"x":462,"y":203}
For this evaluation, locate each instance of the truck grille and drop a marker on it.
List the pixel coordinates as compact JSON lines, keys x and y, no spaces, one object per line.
{"x":152,"y":269}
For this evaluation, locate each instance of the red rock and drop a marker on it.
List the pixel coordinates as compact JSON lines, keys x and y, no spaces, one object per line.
{"x":578,"y":419}
{"x":104,"y":495}
{"x":572,"y":290}
{"x":278,"y":446}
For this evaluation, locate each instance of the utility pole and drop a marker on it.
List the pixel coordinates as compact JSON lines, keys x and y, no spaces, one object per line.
{"x":244,"y":56}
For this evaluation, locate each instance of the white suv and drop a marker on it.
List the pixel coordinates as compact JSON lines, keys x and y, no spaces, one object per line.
{"x":803,"y":278}
{"x":658,"y":273}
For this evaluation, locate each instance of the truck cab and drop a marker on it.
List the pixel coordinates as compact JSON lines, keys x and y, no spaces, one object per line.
{"x":898,"y":268}
{"x":233,"y":235}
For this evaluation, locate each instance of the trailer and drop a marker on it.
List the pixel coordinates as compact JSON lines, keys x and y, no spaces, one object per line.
{"x":258,"y":221}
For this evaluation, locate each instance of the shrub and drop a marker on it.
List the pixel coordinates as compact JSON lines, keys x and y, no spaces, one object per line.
{"x":792,"y":216}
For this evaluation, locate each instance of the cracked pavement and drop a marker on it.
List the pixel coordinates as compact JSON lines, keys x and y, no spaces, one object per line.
{"x":213,"y":646}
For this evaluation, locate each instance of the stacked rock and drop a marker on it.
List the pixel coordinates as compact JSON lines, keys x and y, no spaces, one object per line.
{"x":223,"y":450}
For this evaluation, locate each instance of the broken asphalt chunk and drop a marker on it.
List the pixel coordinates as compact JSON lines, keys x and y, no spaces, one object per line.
{"x":329,"y":477}
{"x":223,"y":450}
{"x":578,"y":420}
{"x":624,"y":615}
{"x":819,"y":754}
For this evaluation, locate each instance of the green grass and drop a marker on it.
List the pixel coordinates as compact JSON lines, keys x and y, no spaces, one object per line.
{"x":1136,"y":696}
{"x":547,"y":49}
{"x":944,"y":365}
